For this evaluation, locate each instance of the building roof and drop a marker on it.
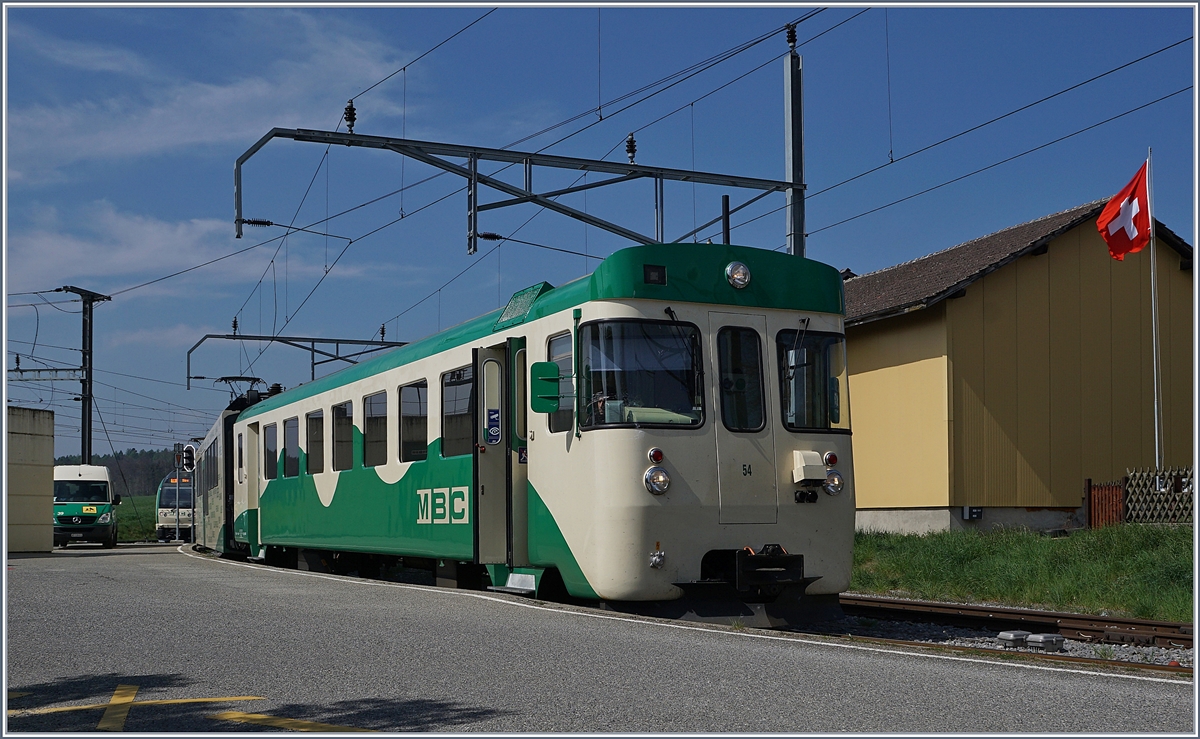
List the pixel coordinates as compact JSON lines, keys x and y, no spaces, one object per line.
{"x":930,"y":279}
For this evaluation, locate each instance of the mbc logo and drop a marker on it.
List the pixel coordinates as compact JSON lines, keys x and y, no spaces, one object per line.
{"x":443,"y":505}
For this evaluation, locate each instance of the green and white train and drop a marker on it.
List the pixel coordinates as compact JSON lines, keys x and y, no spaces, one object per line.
{"x":672,"y":429}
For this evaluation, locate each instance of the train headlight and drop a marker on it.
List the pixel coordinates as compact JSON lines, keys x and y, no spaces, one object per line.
{"x":833,"y":482}
{"x":738,"y":274}
{"x":657,"y":480}
{"x":104,"y":517}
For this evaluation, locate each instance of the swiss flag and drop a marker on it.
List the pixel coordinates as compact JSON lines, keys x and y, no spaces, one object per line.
{"x":1125,"y":221}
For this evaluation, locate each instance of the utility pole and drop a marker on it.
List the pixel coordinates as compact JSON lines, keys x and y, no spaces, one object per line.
{"x":793,"y":127}
{"x":85,"y":407}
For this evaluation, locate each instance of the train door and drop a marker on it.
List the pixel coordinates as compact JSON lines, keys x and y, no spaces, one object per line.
{"x":746,"y":476}
{"x":492,"y":494}
{"x":518,"y":362}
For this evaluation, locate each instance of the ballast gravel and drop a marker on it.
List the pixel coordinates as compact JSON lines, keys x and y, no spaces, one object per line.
{"x":957,"y":636}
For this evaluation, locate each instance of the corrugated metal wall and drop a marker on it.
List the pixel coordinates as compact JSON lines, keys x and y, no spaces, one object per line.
{"x":1050,"y":367}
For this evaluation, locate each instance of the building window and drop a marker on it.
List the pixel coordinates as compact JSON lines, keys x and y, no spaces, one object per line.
{"x":315,"y":448}
{"x":458,"y":405}
{"x":560,"y":354}
{"x":291,"y":447}
{"x":271,"y":451}
{"x":414,"y":422}
{"x":740,"y":361}
{"x":375,"y":430}
{"x":343,"y":436}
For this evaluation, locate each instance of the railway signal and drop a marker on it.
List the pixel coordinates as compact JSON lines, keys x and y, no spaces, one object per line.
{"x":189,"y":458}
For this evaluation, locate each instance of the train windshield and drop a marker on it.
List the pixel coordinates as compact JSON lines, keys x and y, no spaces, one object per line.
{"x":80,"y":491}
{"x":166,"y":497}
{"x":642,"y":373}
{"x":812,"y":372}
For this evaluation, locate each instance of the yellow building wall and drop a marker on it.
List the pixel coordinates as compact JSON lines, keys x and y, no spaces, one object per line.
{"x":1051,"y":373}
{"x":899,"y":411}
{"x":29,"y":491}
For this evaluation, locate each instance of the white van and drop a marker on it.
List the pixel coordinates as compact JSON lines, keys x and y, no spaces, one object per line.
{"x":84,"y":505}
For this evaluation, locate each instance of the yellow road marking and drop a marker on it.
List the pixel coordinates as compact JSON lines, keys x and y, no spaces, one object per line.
{"x":158,"y":702}
{"x":118,"y":708}
{"x":280,"y":723}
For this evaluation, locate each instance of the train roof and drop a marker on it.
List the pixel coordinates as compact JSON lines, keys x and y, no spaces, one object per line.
{"x":694,"y":273}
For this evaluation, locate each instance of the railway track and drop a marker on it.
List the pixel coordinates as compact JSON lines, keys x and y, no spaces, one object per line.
{"x":1094,"y":629}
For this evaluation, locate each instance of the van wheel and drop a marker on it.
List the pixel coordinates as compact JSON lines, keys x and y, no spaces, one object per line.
{"x":112,"y":540}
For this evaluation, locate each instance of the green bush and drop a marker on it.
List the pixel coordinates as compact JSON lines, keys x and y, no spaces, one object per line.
{"x":1126,"y":570}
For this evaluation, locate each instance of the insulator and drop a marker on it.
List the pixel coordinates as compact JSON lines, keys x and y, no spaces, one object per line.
{"x":382,"y":331}
{"x":630,"y":148}
{"x":791,"y":36}
{"x":259,"y":222}
{"x":18,"y":361}
{"x":235,"y":325}
{"x":349,"y":116}
{"x":489,"y":236}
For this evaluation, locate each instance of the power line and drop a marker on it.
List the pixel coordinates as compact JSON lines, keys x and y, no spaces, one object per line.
{"x":1002,"y":117}
{"x":419,"y":58}
{"x":1002,"y":161}
{"x":976,"y":128}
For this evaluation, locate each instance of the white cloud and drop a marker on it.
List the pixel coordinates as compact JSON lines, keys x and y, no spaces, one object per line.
{"x":111,"y":250}
{"x":79,"y":55}
{"x":163,"y":114}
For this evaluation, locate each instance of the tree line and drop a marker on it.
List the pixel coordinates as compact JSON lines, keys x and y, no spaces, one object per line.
{"x":142,"y":470}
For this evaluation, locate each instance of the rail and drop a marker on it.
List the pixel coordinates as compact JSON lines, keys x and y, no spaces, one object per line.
{"x":1097,"y":629}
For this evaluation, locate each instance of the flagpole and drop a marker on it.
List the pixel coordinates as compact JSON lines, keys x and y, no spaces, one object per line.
{"x":1154,"y":317}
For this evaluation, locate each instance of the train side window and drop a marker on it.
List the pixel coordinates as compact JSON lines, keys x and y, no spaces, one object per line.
{"x":560,"y":354}
{"x":458,"y":406}
{"x":343,"y":435}
{"x":315,"y":448}
{"x":291,"y":447}
{"x":414,"y":422}
{"x":270,"y":451}
{"x":241,"y":462}
{"x":739,"y":357}
{"x":375,"y":429}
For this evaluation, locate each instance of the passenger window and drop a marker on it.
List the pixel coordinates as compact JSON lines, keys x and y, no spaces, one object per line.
{"x":291,"y":447}
{"x":414,"y":422}
{"x":740,"y":361}
{"x":270,"y":451}
{"x":241,"y":462}
{"x":315,"y":448}
{"x":343,"y":436}
{"x":560,"y":354}
{"x":375,"y":430}
{"x":519,"y":380}
{"x":458,"y":405}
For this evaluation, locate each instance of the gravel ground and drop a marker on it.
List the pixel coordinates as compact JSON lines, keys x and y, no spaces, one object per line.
{"x":988,"y":639}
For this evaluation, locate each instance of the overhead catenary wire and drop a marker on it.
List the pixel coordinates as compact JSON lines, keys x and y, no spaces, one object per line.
{"x":972,"y":129}
{"x":1002,"y":161}
{"x":729,"y":53}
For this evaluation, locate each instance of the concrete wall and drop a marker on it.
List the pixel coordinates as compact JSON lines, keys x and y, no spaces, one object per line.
{"x":899,"y":410}
{"x":1051,"y":373}
{"x":928,"y":520}
{"x":29,"y":490}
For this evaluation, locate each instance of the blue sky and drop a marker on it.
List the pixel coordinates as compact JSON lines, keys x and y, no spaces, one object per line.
{"x":123,"y":125}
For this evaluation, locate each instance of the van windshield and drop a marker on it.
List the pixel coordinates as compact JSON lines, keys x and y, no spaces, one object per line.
{"x":80,"y":491}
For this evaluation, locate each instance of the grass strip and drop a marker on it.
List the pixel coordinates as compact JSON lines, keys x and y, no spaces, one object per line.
{"x":1128,"y":570}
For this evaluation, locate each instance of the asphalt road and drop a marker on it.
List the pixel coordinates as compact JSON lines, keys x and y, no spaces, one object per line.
{"x":193,"y":638}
